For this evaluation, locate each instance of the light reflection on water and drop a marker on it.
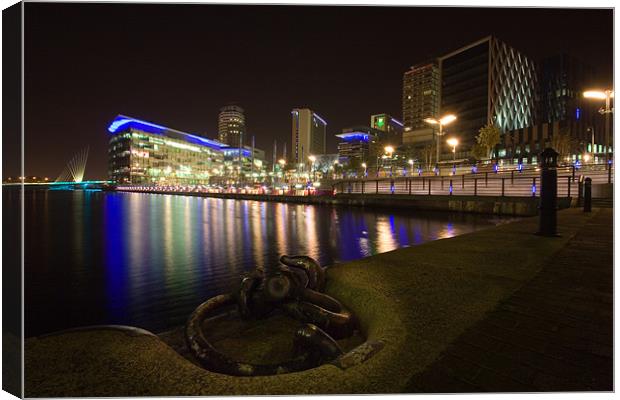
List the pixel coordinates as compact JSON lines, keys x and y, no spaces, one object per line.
{"x":147,"y":260}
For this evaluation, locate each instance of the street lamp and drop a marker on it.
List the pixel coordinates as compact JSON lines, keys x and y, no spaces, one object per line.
{"x":365,"y":169}
{"x":410,"y":162}
{"x":606,"y":95}
{"x":445,"y":120}
{"x":389,"y":150}
{"x":453,"y":142}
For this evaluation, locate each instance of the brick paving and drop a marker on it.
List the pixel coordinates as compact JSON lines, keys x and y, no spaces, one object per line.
{"x":553,"y":334}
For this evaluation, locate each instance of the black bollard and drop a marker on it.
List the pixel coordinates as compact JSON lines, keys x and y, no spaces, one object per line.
{"x":548,"y":193}
{"x":587,"y":195}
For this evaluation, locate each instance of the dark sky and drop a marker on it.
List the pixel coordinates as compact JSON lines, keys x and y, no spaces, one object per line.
{"x":176,"y":65}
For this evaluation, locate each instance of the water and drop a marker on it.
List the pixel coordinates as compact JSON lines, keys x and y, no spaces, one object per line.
{"x":147,"y":260}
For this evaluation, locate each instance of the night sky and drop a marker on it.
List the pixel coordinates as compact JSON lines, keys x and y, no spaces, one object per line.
{"x":176,"y":65}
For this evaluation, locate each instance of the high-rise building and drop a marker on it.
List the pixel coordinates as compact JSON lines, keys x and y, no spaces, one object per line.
{"x":421,"y":87}
{"x":144,"y":153}
{"x":486,"y":82}
{"x":308,"y":134}
{"x":421,"y":94}
{"x":231,"y":126}
{"x":392,"y":127}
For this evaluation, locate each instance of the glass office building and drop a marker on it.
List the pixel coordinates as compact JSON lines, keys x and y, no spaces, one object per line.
{"x":487,"y":82}
{"x":144,"y":153}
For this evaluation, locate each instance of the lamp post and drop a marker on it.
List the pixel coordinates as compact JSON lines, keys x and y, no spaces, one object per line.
{"x":445,"y":120}
{"x":365,"y":169}
{"x":606,"y":95}
{"x":312,"y":160}
{"x":453,"y":142}
{"x":282,"y":163}
{"x":389,"y":150}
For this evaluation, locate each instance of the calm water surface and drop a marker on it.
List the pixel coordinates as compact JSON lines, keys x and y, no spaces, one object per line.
{"x":147,"y":260}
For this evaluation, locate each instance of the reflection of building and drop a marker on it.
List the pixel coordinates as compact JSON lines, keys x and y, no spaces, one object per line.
{"x":231,"y":125}
{"x":487,"y":82}
{"x":308,"y":134}
{"x":392,"y":127}
{"x":421,"y":93}
{"x":141,"y":152}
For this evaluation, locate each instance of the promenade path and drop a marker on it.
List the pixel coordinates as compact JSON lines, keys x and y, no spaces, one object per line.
{"x":554,"y":334}
{"x":500,"y":309}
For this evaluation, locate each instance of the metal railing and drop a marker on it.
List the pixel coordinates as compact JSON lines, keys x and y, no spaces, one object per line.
{"x":512,"y":183}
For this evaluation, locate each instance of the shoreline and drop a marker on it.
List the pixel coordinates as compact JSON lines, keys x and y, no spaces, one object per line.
{"x":485,"y":205}
{"x":418,"y":300}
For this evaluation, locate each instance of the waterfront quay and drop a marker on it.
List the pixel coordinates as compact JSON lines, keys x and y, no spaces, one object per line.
{"x":513,"y":312}
{"x":514,"y":192}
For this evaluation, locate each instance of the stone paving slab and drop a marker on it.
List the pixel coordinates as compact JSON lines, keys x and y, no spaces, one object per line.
{"x":553,"y":334}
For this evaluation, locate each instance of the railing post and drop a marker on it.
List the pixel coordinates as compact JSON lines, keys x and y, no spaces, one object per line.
{"x":450,"y":187}
{"x":503,"y":186}
{"x":569,"y":181}
{"x":462,"y":181}
{"x":409,"y":180}
{"x":442,"y":183}
{"x":580,"y":192}
{"x":609,"y":172}
{"x":512,"y":177}
{"x":363,"y":183}
{"x":548,"y":193}
{"x":573,"y":172}
{"x":377,"y":181}
{"x":475,"y":186}
{"x":429,"y":186}
{"x":587,"y":195}
{"x":534,"y":187}
{"x":423,"y":183}
{"x":486,"y":179}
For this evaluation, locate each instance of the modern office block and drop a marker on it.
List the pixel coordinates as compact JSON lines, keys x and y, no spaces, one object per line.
{"x":141,"y":152}
{"x":308,"y":135}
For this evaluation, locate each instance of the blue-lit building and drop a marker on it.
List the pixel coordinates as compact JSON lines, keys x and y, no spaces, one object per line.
{"x":142,"y":152}
{"x":359,"y":144}
{"x":251,"y":166}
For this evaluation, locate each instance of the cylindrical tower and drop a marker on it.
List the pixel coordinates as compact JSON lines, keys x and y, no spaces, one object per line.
{"x":231,"y":125}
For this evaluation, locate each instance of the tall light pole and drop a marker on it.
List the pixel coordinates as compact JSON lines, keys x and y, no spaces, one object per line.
{"x":453,"y":142}
{"x":282,"y":163}
{"x":389,"y":150}
{"x":606,"y":95}
{"x":445,"y":120}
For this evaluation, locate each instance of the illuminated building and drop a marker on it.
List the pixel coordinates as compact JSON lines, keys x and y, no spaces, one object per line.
{"x":391,"y":126}
{"x":141,"y":152}
{"x":231,"y":126}
{"x":253,"y":167}
{"x":421,"y":94}
{"x":308,"y":134}
{"x":487,"y":82}
{"x":360,"y":144}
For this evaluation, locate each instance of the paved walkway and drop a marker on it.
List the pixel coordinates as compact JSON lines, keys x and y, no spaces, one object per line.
{"x":553,"y":334}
